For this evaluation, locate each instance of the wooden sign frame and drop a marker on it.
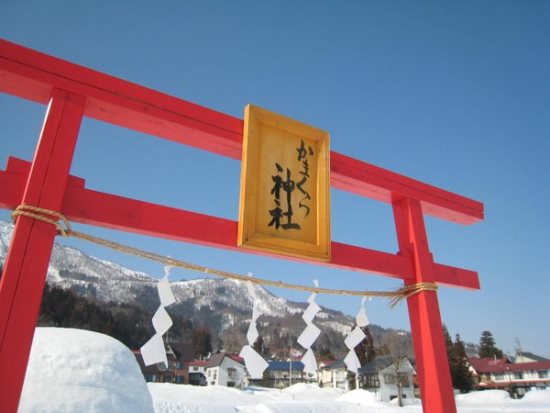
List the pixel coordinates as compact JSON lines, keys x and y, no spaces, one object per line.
{"x":285,"y":186}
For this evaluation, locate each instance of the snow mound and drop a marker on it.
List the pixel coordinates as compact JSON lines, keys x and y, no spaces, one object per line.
{"x":537,"y":396}
{"x":311,"y":392}
{"x":359,"y":396}
{"x":302,"y":388}
{"x":483,"y":397}
{"x":175,"y":398}
{"x":73,"y":370}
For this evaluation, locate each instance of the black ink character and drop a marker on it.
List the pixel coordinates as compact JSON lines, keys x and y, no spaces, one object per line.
{"x":302,"y":156}
{"x":278,"y":213}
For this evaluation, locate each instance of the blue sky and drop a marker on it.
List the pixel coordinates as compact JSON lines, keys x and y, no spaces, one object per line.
{"x":455,"y":94}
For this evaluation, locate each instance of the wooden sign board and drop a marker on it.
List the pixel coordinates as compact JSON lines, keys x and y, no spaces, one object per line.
{"x":285,"y":186}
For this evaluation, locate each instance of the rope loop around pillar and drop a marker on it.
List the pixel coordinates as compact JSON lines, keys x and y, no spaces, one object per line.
{"x":45,"y":215}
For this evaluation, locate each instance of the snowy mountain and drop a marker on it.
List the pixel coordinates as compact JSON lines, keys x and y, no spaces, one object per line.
{"x":220,"y":304}
{"x":102,"y":280}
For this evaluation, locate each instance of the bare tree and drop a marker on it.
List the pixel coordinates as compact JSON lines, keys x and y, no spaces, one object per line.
{"x":396,"y":344}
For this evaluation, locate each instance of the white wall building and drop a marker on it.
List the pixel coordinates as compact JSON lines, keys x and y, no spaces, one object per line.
{"x":381,"y":377}
{"x":334,"y":375}
{"x":517,"y":378}
{"x":378,"y":376}
{"x":197,"y":372}
{"x":225,"y":370}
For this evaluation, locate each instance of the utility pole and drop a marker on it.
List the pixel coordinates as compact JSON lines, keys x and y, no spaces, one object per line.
{"x":518,"y":350}
{"x":290,"y":364}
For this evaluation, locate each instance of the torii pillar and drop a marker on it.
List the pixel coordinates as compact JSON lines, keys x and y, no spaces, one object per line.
{"x":427,"y":331}
{"x":26,"y":266}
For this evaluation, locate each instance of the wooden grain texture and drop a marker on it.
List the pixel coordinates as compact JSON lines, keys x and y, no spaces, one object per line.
{"x":276,"y":147}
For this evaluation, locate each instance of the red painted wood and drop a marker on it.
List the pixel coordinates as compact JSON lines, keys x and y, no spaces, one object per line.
{"x":364,"y":179}
{"x":31,"y":75}
{"x":35,"y":76}
{"x":29,"y":253}
{"x":115,"y":212}
{"x":427,"y":331}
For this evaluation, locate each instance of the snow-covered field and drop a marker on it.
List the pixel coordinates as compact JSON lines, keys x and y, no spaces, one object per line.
{"x":300,"y":398}
{"x":80,"y":371}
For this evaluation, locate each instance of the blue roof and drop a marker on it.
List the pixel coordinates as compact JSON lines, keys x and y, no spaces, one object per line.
{"x":284,"y":365}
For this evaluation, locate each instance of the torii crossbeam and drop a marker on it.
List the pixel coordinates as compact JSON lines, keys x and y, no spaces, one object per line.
{"x":72,"y":91}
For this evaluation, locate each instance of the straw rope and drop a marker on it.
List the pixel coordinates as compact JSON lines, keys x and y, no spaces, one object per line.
{"x":64,"y":228}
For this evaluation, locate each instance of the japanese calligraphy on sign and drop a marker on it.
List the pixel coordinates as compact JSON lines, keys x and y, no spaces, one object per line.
{"x":285,"y":198}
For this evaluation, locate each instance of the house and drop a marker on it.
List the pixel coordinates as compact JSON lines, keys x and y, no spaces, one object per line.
{"x":280,"y":374}
{"x":196,"y":371}
{"x":182,"y":354}
{"x":224,"y":369}
{"x":286,"y":353}
{"x":526,"y":357}
{"x":334,"y":375}
{"x":518,"y":377}
{"x":156,"y":373}
{"x":176,"y":371}
{"x":378,"y":376}
{"x":382,"y":377}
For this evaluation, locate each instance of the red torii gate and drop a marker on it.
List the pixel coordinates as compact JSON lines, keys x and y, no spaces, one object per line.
{"x":72,"y":91}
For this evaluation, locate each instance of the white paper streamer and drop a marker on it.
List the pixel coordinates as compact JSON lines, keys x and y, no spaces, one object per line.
{"x":355,"y":337}
{"x":161,"y":321}
{"x":352,"y":361}
{"x":362,"y":319}
{"x":252,"y":333}
{"x":165,"y":292}
{"x":254,"y":362}
{"x":153,"y":351}
{"x":311,"y":312}
{"x":310,"y":364}
{"x":310,"y":333}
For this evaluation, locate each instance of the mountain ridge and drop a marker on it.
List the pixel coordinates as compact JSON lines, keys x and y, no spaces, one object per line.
{"x":222,"y":305}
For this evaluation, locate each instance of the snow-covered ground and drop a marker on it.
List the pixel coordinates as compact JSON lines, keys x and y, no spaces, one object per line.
{"x":172,"y":398}
{"x":80,"y":371}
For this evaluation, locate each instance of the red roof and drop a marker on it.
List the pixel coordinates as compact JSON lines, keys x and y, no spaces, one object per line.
{"x":217,"y":359}
{"x":536,"y":365}
{"x":236,"y":358}
{"x":198,"y":363}
{"x":489,"y":365}
{"x":325,"y":362}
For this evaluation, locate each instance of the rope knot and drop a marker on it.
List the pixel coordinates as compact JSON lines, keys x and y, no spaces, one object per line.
{"x":410,"y":290}
{"x":45,"y":215}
